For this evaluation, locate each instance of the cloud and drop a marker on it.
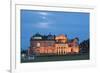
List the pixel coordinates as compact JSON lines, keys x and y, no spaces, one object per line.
{"x":43,"y":17}
{"x":43,"y":13}
{"x":43,"y":25}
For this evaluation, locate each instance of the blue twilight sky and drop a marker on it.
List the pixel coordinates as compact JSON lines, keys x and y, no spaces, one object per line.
{"x":73,"y":24}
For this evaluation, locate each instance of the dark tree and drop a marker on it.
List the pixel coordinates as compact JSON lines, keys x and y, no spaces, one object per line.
{"x":24,"y":52}
{"x":84,"y":46}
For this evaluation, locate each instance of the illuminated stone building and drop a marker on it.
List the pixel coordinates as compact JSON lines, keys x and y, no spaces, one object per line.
{"x":41,"y":43}
{"x":52,"y":45}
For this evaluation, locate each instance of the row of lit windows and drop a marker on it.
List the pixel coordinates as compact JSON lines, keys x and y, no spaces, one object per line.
{"x":49,"y":44}
{"x":61,"y":47}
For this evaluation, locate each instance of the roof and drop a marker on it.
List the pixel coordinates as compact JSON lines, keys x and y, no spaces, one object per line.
{"x":42,"y":37}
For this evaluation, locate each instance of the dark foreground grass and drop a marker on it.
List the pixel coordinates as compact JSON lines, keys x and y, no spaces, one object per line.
{"x":57,"y":58}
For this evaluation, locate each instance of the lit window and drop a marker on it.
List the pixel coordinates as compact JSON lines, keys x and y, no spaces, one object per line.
{"x":38,"y":44}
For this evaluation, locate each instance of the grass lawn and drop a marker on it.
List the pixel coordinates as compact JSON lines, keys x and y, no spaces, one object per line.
{"x":57,"y":58}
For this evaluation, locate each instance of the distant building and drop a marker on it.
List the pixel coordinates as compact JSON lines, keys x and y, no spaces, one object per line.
{"x":52,"y":45}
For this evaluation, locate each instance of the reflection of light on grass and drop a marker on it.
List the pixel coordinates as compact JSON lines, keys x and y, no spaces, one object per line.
{"x":31,"y":57}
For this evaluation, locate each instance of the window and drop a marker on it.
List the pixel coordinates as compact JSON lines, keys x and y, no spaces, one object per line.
{"x":49,"y":44}
{"x":38,"y":44}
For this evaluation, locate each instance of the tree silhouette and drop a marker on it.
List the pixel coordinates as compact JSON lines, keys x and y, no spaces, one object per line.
{"x":84,"y":46}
